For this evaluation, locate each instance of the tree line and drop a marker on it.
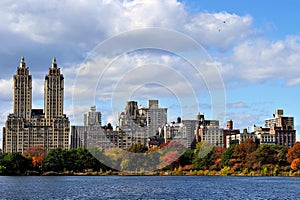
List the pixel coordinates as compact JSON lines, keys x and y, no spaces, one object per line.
{"x":246,"y":158}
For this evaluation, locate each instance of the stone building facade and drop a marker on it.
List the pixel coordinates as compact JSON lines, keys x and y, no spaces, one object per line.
{"x":26,"y":127}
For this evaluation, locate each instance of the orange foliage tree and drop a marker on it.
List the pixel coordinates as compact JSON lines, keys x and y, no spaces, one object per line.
{"x":242,"y":152}
{"x":293,"y":153}
{"x":37,"y":154}
{"x":295,"y":164}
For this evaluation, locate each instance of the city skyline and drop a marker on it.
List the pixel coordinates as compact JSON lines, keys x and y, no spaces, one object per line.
{"x":260,"y":44}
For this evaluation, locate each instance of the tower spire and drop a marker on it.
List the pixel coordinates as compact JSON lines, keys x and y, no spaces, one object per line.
{"x":22,"y":62}
{"x":54,"y":65}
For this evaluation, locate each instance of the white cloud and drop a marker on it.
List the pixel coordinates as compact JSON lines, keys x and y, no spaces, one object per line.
{"x":89,"y":22}
{"x":293,"y":82}
{"x":244,"y":120}
{"x":6,"y":89}
{"x":237,"y":105}
{"x":258,"y":60}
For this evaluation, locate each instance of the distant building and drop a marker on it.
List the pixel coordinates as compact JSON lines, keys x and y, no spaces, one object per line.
{"x":175,"y":131}
{"x":209,"y":131}
{"x":92,"y":118}
{"x":283,"y":129}
{"x":279,"y":120}
{"x":231,"y":136}
{"x":27,"y":127}
{"x":93,"y":135}
{"x":279,"y":130}
{"x":155,"y":116}
{"x":190,"y":127}
{"x":140,"y":123}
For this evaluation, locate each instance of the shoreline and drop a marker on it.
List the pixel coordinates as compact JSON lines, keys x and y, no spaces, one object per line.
{"x":169,"y":173}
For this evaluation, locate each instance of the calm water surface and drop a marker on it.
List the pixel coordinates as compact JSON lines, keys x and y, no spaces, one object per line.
{"x":156,"y":187}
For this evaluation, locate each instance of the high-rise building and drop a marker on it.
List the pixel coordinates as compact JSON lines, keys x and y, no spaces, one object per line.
{"x":22,"y":92}
{"x":27,"y":127}
{"x":54,"y":93}
{"x":155,"y":116}
{"x":140,"y":123}
{"x":92,"y":118}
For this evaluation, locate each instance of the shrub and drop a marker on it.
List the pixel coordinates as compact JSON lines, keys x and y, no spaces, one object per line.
{"x":275,"y":171}
{"x":200,"y":173}
{"x":245,"y":171}
{"x":206,"y":172}
{"x":264,"y":171}
{"x":225,"y":171}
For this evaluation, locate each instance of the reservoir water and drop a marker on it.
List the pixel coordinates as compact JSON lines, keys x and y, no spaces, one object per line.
{"x":144,"y":187}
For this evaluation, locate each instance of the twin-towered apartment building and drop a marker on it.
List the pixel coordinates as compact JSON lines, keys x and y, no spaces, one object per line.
{"x":49,"y":128}
{"x":26,"y":127}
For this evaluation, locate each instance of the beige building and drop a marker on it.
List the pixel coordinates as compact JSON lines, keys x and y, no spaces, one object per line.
{"x":209,"y":131}
{"x":140,"y":123}
{"x":27,"y":127}
{"x":176,"y":132}
{"x":279,"y":120}
{"x":278,"y":130}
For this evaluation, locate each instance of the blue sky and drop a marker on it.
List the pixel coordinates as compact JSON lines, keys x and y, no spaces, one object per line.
{"x":278,"y":18}
{"x":254,"y":44}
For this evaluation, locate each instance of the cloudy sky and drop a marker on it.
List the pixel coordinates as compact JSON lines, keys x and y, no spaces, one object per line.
{"x":251,"y":46}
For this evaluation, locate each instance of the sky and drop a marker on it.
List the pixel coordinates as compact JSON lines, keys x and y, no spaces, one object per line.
{"x":251,"y":51}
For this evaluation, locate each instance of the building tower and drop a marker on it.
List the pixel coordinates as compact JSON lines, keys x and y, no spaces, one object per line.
{"x":22,"y":92}
{"x":92,"y":118}
{"x":54,"y":93}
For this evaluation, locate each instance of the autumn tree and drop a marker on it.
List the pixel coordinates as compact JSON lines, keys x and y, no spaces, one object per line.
{"x":295,"y":165}
{"x":170,"y":153}
{"x":293,"y":153}
{"x":244,"y":149}
{"x":170,"y":160}
{"x":216,"y":158}
{"x":114,"y":157}
{"x":37,"y":154}
{"x":267,"y":154}
{"x":137,"y":148}
{"x":241,"y":154}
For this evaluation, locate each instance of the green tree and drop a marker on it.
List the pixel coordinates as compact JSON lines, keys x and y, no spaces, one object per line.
{"x":56,"y":160}
{"x":86,"y":160}
{"x":227,"y":155}
{"x":14,"y":164}
{"x":202,"y":158}
{"x":186,"y":158}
